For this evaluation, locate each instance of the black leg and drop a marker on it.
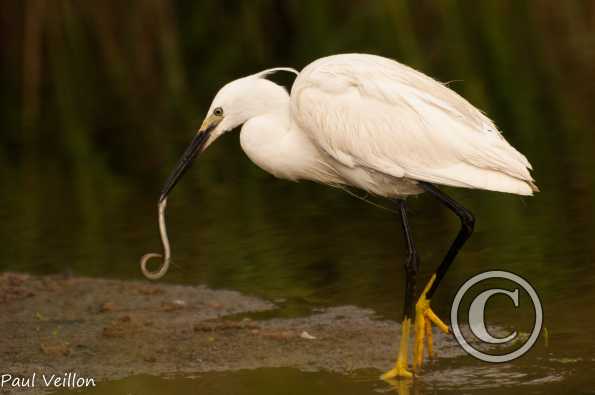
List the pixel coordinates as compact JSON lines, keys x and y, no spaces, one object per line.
{"x":411,"y":268}
{"x":411,"y":264}
{"x":467,"y":224}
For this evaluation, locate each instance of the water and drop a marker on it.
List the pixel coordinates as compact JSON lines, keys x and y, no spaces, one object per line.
{"x":291,"y":381}
{"x":316,"y":247}
{"x":80,"y":188}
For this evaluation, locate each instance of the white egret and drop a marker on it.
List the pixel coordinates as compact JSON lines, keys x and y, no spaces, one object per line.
{"x":372,"y":123}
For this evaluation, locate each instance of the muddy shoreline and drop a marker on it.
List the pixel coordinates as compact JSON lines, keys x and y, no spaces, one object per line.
{"x":109,"y":329}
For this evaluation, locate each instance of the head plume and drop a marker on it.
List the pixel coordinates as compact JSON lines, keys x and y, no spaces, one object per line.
{"x":266,"y":73}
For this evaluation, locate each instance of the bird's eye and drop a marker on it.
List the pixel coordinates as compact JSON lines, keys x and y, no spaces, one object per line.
{"x":218,"y":112}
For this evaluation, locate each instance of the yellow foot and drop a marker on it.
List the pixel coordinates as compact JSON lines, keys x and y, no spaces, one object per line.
{"x":400,"y":370}
{"x":424,"y":318}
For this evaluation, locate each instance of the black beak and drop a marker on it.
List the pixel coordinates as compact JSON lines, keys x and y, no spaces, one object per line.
{"x":195,"y":147}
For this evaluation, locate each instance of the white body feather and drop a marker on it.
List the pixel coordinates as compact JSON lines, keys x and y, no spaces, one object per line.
{"x":375,"y":124}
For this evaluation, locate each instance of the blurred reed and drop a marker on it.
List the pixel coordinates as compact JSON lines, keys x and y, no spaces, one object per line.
{"x":99,"y":97}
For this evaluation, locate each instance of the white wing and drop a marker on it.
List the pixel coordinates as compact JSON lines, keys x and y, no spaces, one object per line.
{"x":371,"y":112}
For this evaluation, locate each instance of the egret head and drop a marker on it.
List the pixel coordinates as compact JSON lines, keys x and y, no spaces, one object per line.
{"x":234,"y":104}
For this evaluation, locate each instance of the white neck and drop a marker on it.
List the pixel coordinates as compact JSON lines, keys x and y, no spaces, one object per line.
{"x":277,"y":145}
{"x":262,"y":138}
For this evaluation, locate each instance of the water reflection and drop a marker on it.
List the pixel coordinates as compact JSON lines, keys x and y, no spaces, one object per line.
{"x":485,"y":381}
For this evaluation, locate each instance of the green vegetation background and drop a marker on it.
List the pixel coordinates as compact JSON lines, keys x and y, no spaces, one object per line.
{"x":100,"y":97}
